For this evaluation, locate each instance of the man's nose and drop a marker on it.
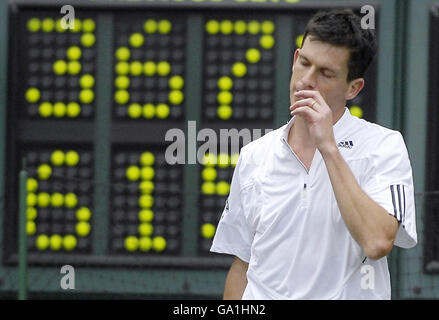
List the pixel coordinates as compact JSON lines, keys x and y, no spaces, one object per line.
{"x":309,"y":79}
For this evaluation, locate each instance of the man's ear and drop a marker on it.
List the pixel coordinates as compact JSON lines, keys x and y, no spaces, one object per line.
{"x":355,"y":86}
{"x":296,"y":55}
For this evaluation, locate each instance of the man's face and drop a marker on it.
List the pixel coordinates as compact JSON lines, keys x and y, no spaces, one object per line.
{"x":322,"y":67}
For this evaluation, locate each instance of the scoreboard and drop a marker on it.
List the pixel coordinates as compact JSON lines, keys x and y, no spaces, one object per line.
{"x":88,"y":109}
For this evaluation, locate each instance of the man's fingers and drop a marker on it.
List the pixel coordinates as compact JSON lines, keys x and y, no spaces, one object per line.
{"x":307,"y":112}
{"x":310,"y":94}
{"x":302,"y":103}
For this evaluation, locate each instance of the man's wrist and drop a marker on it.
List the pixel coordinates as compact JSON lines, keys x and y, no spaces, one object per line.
{"x":330,"y":150}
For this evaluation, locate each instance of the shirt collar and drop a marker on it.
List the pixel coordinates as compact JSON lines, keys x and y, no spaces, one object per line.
{"x":339,"y":126}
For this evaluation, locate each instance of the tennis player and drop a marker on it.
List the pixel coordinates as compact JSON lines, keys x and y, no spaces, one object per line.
{"x":315,"y":201}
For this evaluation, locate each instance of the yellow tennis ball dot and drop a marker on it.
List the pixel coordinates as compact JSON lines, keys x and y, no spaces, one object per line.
{"x":86,"y":96}
{"x":159,"y":243}
{"x":253,"y":27}
{"x":164,"y":26}
{"x":136,"y":40}
{"x":56,"y":242}
{"x":32,"y":95}
{"x":147,"y":158}
{"x":146,"y":201}
{"x":149,"y":68}
{"x":208,"y":230}
{"x":31,"y":228}
{"x":175,"y":97}
{"x":145,"y":229}
{"x":70,"y":200}
{"x":122,"y":82}
{"x":147,"y":173}
{"x":42,"y":242}
{"x":88,"y":25}
{"x":83,"y":214}
{"x":31,"y":185}
{"x":73,"y":109}
{"x":212,"y":27}
{"x":72,"y":158}
{"x":208,"y":188}
{"x":88,"y":39}
{"x":146,"y":215}
{"x":224,"y":97}
{"x":150,"y":26}
{"x":163,"y":68}
{"x":134,"y":110}
{"x":209,"y":160}
{"x":74,"y":67}
{"x":47,"y":25}
{"x":145,"y":244}
{"x":176,"y":82}
{"x":225,"y":83}
{"x":131,"y":243}
{"x":74,"y":53}
{"x":136,"y":68}
{"x":253,"y":55}
{"x":31,"y":199}
{"x":266,"y":42}
{"x":87,"y":81}
{"x":162,"y":110}
{"x":267,"y":27}
{"x":208,"y":174}
{"x":121,"y":96}
{"x":133,"y":173}
{"x":60,"y":67}
{"x":33,"y":24}
{"x":43,"y":199}
{"x":69,"y":242}
{"x":44,"y":171}
{"x":240,"y":27}
{"x":224,"y":112}
{"x":123,"y":53}
{"x":57,"y":200}
{"x":146,"y":187}
{"x":122,"y":68}
{"x":31,"y":213}
{"x":356,"y":111}
{"x":45,"y":109}
{"x":239,"y":69}
{"x":76,"y":26}
{"x":222,"y":188}
{"x":234,"y":159}
{"x":299,"y":41}
{"x":223,"y":160}
{"x":82,"y":228}
{"x":149,"y":111}
{"x":226,"y":27}
{"x":59,"y":109}
{"x":58,"y":26}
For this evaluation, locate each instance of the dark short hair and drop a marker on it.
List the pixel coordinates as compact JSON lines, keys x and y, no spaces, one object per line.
{"x":342,"y":27}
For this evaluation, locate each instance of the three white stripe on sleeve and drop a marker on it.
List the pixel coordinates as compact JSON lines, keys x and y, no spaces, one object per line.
{"x":399,"y":202}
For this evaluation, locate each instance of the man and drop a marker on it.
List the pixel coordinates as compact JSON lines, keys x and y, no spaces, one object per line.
{"x":316,"y":205}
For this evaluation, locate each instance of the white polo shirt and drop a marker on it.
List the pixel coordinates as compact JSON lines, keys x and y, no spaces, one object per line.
{"x":285,"y":222}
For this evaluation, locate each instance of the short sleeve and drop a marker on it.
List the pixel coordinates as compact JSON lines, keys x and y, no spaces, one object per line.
{"x":233,"y":235}
{"x":389,"y":182}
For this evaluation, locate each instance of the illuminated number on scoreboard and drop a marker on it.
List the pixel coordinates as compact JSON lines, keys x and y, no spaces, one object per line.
{"x":146,"y":202}
{"x":148,"y":73}
{"x":239,"y":69}
{"x":61,"y":69}
{"x":216,"y":176}
{"x":58,"y":205}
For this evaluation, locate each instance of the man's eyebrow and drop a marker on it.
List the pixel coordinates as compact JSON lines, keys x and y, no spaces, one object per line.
{"x":301,"y":55}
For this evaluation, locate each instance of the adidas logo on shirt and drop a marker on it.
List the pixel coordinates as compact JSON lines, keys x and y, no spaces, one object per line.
{"x":346,"y":144}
